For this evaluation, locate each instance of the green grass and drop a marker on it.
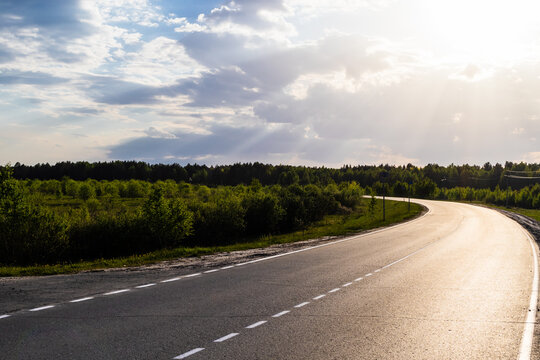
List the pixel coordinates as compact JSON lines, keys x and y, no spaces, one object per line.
{"x":331,"y":225}
{"x":532,"y":213}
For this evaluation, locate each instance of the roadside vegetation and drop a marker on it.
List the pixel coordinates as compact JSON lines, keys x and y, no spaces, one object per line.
{"x":51,"y":226}
{"x":73,"y":216}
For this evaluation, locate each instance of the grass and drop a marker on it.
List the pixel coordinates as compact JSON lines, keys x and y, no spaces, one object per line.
{"x":331,"y":225}
{"x":532,"y":213}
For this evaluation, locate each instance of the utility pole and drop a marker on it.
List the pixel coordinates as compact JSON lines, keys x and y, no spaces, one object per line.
{"x":384,"y":178}
{"x":506,"y":190}
{"x":409,"y":192}
{"x":383,"y":206}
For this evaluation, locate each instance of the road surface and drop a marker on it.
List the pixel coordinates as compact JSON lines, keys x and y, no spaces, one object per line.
{"x":456,"y":283}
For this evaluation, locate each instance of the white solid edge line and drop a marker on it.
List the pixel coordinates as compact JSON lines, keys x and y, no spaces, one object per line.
{"x":186,"y":354}
{"x":334,"y":242}
{"x":258,"y":323}
{"x":226,"y":337}
{"x":116,"y":292}
{"x":281,"y":313}
{"x":82,"y":299}
{"x":145,"y":286}
{"x":334,"y":290}
{"x":42,"y":308}
{"x":528,"y":331}
{"x":4,"y":316}
{"x":319,"y":297}
{"x":301,"y":304}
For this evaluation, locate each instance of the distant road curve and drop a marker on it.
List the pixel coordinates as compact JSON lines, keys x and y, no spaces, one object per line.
{"x":457,"y":283}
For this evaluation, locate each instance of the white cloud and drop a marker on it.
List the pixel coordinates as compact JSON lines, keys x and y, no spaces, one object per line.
{"x":472,"y":72}
{"x":159,"y":62}
{"x":140,"y":12}
{"x":531,"y":157}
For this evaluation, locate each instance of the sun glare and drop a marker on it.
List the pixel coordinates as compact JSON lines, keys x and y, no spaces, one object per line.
{"x":484,"y":30}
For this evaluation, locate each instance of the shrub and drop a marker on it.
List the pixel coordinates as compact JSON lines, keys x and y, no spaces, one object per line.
{"x":263,"y":213}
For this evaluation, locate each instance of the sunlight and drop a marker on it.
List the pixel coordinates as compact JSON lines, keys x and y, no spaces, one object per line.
{"x":484,"y":30}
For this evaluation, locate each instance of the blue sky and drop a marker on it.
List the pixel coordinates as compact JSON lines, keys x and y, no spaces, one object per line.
{"x":303,"y":82}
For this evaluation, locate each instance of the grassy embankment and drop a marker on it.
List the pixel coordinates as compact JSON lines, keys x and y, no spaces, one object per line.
{"x":532,"y":213}
{"x":331,"y":225}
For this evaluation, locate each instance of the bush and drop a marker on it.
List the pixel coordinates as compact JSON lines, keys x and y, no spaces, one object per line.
{"x":28,"y":234}
{"x":219,"y":221}
{"x":263,"y":213}
{"x":166,"y":221}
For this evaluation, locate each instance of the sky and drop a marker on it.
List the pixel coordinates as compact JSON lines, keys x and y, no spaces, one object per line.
{"x":301,"y":82}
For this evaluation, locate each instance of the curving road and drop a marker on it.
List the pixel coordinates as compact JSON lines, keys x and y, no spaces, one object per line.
{"x":456,"y":283}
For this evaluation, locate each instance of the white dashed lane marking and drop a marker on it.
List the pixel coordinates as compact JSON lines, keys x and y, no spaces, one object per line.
{"x":192,"y":275}
{"x":347,"y":284}
{"x":227,"y":267}
{"x":169,"y":280}
{"x":4,"y":316}
{"x":116,"y":292}
{"x":82,"y":299}
{"x":226,"y":337}
{"x":368,"y":274}
{"x":210,"y":271}
{"x":334,"y":290}
{"x":319,"y":297}
{"x":377,"y":270}
{"x":191,"y":352}
{"x":42,"y":308}
{"x":301,"y":304}
{"x":281,"y":313}
{"x":358,"y":279}
{"x":258,"y":323}
{"x":145,"y":286}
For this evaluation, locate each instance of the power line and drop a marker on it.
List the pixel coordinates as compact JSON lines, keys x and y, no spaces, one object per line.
{"x":523,"y":177}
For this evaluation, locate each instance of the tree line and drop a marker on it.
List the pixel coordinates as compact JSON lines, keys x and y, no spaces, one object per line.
{"x":515,"y":175}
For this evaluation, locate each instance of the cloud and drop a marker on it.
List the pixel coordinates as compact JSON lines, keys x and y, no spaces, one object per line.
{"x":113,"y":91}
{"x":61,"y":20}
{"x":471,"y":72}
{"x":140,"y":12}
{"x":222,"y":141}
{"x":27,"y":77}
{"x":531,"y":157}
{"x":159,"y":62}
{"x":160,"y":134}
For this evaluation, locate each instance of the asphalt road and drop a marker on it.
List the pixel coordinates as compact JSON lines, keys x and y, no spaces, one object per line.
{"x":453,"y":284}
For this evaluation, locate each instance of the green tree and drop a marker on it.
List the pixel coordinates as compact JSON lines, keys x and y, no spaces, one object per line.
{"x":28,"y":233}
{"x":167,"y":221}
{"x":86,"y":191}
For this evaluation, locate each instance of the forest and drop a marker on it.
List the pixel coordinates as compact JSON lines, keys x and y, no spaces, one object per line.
{"x":516,"y":175}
